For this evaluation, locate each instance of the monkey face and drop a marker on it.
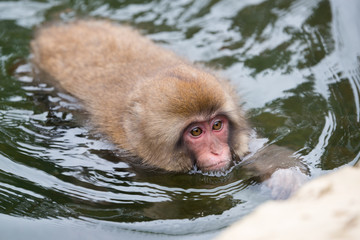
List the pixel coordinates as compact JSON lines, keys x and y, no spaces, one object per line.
{"x":208,"y":142}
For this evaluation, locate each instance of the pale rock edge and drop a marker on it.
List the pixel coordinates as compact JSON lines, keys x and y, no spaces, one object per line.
{"x":325,"y":208}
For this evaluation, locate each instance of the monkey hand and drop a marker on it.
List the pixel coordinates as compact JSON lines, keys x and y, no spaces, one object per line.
{"x":284,"y":182}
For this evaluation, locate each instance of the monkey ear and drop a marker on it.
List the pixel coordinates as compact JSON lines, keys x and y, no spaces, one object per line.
{"x":162,"y":157}
{"x":242,"y":148}
{"x":181,"y":162}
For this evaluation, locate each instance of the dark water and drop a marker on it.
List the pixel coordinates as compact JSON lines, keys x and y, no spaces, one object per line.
{"x":295,"y":63}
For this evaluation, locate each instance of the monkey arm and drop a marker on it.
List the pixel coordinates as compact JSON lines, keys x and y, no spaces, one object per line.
{"x":284,"y":182}
{"x":281,"y":172}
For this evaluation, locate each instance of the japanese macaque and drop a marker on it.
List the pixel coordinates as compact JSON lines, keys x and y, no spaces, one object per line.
{"x":150,"y":102}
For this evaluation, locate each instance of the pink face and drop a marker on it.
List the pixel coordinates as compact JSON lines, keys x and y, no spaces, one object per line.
{"x":208,"y":141}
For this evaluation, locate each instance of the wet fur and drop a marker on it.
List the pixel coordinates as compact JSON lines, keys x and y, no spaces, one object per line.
{"x":137,"y":93}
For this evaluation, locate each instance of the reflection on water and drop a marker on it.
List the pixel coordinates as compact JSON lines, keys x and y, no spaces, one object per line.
{"x":296,"y":64}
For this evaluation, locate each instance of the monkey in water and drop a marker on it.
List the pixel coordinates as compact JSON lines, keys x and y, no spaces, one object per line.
{"x":148,"y":101}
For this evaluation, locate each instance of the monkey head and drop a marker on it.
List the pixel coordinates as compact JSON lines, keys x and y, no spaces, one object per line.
{"x":184,"y":116}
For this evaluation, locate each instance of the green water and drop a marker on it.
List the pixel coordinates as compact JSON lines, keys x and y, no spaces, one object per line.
{"x":296,"y":65}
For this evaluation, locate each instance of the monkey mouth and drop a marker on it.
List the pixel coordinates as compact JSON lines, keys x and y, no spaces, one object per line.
{"x":219,"y":166}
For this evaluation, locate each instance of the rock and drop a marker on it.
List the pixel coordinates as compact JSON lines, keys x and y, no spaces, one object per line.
{"x":325,"y":208}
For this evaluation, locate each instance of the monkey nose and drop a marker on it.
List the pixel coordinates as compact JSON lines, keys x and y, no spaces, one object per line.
{"x":216,"y":149}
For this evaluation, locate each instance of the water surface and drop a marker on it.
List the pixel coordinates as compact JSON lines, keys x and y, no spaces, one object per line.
{"x":295,"y":64}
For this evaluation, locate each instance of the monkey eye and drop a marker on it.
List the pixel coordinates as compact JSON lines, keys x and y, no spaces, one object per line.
{"x":217,"y":125}
{"x":196,"y":131}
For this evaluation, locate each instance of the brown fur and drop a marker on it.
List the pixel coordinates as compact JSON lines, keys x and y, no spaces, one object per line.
{"x":139,"y":94}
